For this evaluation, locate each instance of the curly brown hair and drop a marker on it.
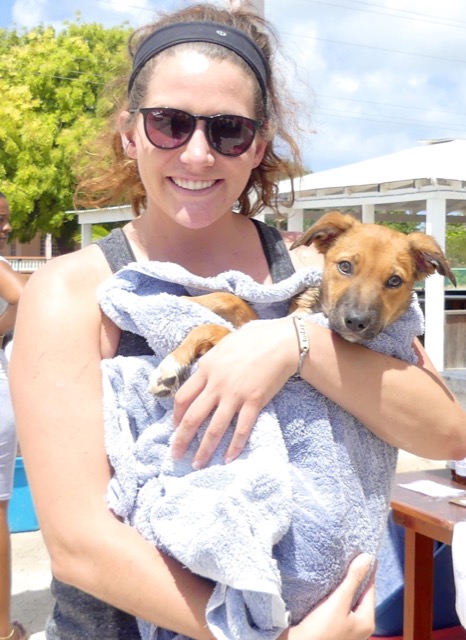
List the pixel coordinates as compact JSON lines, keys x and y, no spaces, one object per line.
{"x":119,"y":181}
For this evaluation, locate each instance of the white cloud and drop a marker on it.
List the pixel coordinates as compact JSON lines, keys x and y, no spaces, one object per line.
{"x":29,"y":13}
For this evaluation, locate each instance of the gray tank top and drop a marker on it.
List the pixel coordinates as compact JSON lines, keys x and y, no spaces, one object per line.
{"x":78,"y":615}
{"x":119,"y":253}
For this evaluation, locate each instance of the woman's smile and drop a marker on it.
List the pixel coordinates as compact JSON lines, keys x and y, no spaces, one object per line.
{"x":193,"y":185}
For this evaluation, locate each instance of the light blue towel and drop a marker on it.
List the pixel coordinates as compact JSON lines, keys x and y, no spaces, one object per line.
{"x":275,"y":529}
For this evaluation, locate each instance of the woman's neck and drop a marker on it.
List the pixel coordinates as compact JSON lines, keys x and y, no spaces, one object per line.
{"x":231,"y":243}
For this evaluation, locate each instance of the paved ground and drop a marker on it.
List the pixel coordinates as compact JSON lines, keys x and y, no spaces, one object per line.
{"x":31,"y":570}
{"x":31,"y":599}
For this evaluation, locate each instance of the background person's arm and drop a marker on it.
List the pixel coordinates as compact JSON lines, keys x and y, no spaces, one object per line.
{"x":11,"y":287}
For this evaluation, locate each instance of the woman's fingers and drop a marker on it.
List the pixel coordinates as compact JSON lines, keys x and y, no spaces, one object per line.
{"x":186,"y":418}
{"x":361,"y":617}
{"x":194,"y":407}
{"x":336,"y":618}
{"x":232,"y":383}
{"x":244,"y":424}
{"x":356,"y":576}
{"x":219,"y":422}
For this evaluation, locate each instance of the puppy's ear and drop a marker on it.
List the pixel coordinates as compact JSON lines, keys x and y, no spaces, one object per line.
{"x":326,"y":230}
{"x":429,"y":257}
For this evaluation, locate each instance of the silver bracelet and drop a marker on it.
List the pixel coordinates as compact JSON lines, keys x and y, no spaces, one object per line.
{"x":303,"y":340}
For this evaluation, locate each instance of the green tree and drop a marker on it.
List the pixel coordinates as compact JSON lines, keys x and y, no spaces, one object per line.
{"x":455,"y":239}
{"x":456,"y":244}
{"x":53,"y":104}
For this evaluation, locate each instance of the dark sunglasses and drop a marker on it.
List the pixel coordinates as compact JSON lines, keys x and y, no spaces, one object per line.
{"x":172,"y":128}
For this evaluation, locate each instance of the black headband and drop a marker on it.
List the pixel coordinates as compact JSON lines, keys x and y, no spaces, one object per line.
{"x":213,"y":32}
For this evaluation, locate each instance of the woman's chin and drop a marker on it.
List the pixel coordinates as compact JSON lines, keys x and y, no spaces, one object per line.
{"x":191,"y":219}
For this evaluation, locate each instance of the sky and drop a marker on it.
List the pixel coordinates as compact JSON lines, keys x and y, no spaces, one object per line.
{"x":370,"y":77}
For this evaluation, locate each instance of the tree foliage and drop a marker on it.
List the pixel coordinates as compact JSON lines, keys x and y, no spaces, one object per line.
{"x":53,"y":103}
{"x":455,"y":240}
{"x":456,"y":244}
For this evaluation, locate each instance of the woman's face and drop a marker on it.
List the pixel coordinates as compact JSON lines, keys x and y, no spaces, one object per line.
{"x":195,"y":185}
{"x":5,"y":226}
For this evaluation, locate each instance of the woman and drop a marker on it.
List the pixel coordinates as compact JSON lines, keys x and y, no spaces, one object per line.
{"x":186,"y":168}
{"x":11,"y":286}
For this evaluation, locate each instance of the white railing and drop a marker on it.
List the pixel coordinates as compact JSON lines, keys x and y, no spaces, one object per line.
{"x":24,"y":264}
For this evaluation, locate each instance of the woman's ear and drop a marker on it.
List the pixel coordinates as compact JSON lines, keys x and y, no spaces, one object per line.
{"x":127,"y":137}
{"x":261,"y":146}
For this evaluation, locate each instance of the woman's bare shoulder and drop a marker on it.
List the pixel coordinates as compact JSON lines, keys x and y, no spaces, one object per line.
{"x":61,"y":298}
{"x":302,"y":256}
{"x":71,"y":273}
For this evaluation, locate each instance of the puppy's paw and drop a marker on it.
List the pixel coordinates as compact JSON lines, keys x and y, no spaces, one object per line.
{"x":168,"y":377}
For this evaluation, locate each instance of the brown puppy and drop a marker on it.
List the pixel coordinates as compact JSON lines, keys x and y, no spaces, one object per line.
{"x":368,"y":277}
{"x":369,"y":272}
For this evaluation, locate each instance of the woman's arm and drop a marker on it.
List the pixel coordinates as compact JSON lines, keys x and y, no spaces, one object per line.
{"x":56,"y":385}
{"x":56,"y":388}
{"x":11,"y":287}
{"x":408,"y":406}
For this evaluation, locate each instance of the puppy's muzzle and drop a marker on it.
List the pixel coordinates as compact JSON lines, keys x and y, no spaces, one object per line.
{"x":355,"y":324}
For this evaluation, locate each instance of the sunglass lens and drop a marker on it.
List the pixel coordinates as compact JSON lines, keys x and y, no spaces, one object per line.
{"x":231,"y":135}
{"x":168,"y":128}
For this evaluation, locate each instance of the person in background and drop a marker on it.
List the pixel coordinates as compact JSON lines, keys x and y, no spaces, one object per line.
{"x":11,"y":286}
{"x":198,"y":150}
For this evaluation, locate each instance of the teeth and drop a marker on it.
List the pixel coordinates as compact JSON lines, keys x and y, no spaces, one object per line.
{"x":193,"y":185}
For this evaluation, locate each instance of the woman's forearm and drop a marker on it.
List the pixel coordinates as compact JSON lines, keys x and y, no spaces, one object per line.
{"x":129,"y":573}
{"x":408,"y":406}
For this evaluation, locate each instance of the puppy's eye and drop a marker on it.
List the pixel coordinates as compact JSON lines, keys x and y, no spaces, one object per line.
{"x":345,"y":267}
{"x":394,"y":282}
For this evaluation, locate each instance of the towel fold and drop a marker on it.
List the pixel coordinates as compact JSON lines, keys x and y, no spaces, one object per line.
{"x":276,"y":529}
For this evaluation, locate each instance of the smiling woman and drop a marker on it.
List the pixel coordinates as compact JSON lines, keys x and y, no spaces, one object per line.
{"x":197,"y":148}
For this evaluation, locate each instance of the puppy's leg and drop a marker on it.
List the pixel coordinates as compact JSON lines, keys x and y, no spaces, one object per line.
{"x":228,"y":306}
{"x":308,"y":301}
{"x":175,"y":368}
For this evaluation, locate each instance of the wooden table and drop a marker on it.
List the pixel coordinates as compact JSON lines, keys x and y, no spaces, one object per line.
{"x":425,"y":520}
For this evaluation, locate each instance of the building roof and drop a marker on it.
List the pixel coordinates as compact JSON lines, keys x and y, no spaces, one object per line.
{"x":406,"y":180}
{"x":430,"y":162}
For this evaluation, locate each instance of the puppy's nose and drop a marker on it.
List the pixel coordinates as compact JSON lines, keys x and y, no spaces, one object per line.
{"x":357,"y":321}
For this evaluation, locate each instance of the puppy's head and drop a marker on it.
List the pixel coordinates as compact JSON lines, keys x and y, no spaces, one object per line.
{"x":369,"y":272}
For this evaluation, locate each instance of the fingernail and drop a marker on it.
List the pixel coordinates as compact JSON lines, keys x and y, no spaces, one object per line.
{"x":196,"y":465}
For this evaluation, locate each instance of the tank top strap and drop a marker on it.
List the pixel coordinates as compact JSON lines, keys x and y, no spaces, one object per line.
{"x":117,"y":249}
{"x":118,"y":252}
{"x":275,"y":251}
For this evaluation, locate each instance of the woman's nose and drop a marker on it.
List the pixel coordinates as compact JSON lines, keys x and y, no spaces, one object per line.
{"x":197,"y":150}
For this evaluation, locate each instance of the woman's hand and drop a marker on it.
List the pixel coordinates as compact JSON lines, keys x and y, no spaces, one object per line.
{"x":334,"y":618}
{"x":238,"y":377}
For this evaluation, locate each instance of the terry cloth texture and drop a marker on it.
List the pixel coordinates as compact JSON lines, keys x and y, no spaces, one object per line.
{"x":275,"y":529}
